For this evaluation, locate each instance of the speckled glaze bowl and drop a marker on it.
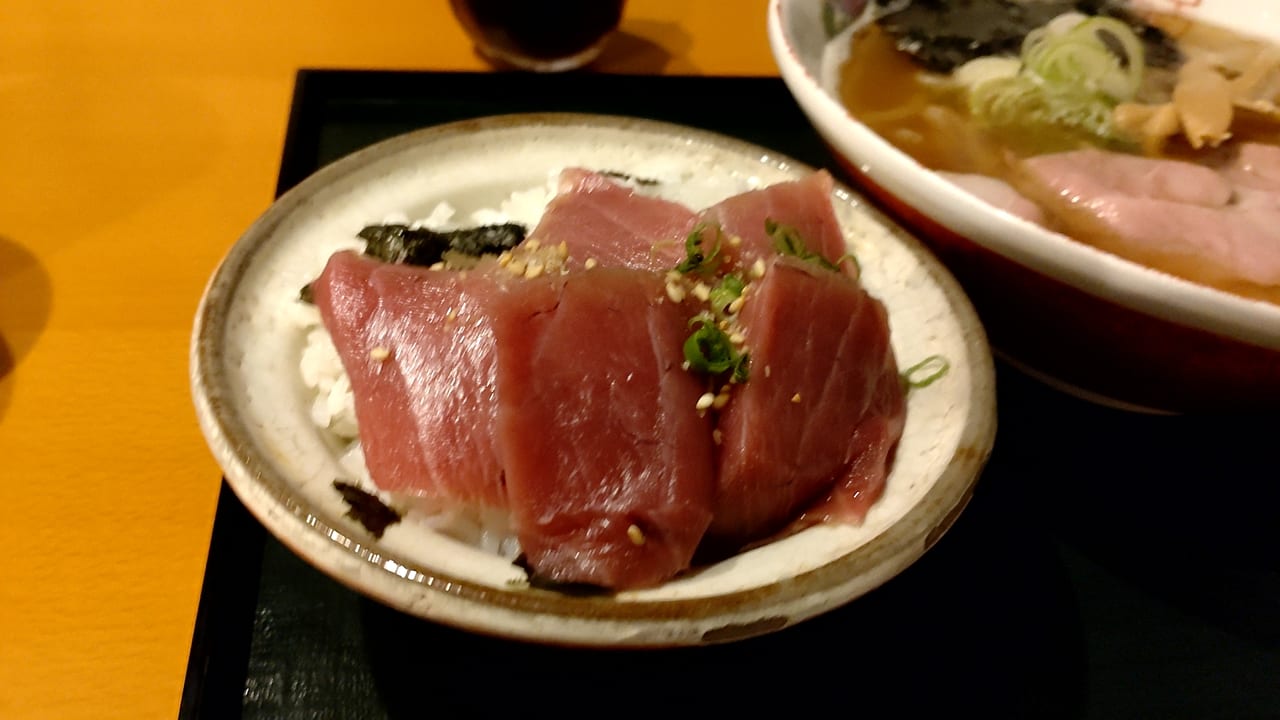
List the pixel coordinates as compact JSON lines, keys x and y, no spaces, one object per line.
{"x":1084,"y":320}
{"x":254,"y":408}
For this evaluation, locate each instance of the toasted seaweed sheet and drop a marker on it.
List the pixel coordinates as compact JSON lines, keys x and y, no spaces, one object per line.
{"x":943,"y":34}
{"x":366,"y":509}
{"x":420,"y":246}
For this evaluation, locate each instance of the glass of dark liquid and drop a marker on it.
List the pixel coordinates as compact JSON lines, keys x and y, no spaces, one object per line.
{"x":539,"y":35}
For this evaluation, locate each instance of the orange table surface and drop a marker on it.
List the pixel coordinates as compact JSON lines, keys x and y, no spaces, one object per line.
{"x":138,"y":139}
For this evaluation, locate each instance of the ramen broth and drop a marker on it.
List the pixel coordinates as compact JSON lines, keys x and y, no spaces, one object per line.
{"x":926,"y":115}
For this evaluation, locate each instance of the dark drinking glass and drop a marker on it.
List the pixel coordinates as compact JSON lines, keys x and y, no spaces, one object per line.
{"x":539,"y":35}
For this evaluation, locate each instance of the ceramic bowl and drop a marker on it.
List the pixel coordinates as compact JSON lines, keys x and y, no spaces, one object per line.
{"x":255,"y":411}
{"x":1082,"y":319}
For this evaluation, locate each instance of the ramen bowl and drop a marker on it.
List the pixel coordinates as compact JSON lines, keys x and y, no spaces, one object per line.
{"x":1084,"y":320}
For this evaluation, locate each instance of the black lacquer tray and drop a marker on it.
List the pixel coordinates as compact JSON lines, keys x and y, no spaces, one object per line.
{"x":1110,"y":565}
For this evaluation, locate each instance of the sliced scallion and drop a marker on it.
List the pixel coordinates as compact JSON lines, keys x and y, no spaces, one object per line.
{"x":698,"y":256}
{"x":787,"y":240}
{"x":926,"y":372}
{"x":724,"y":293}
{"x":709,"y":350}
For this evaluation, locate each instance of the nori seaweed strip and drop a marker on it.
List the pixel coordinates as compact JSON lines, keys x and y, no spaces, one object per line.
{"x":574,"y":589}
{"x":943,"y":34}
{"x":420,"y":246}
{"x":367,"y":509}
{"x":625,"y":177}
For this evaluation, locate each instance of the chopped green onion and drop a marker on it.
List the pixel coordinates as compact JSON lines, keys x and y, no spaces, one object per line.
{"x":926,"y":372}
{"x":709,"y":350}
{"x":787,"y":241}
{"x":1074,"y":71}
{"x":697,"y":257}
{"x":1025,"y":105}
{"x":724,"y":293}
{"x":1100,"y":55}
{"x":850,"y":257}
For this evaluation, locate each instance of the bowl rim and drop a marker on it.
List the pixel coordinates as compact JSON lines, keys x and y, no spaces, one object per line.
{"x":593,"y":620}
{"x":1081,"y":266}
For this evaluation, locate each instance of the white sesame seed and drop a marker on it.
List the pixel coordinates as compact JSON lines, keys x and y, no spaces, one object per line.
{"x":757,"y":268}
{"x":736,"y":305}
{"x":504,"y":258}
{"x":533,"y":244}
{"x":675,"y":292}
{"x":721,"y":400}
{"x":737,"y":338}
{"x":717,"y":437}
{"x":635,"y":534}
{"x":702,"y":292}
{"x":735,"y":240}
{"x":705,"y":401}
{"x":533,"y":269}
{"x":590,"y":263}
{"x":380,"y":353}
{"x":562,"y":249}
{"x":795,"y":398}
{"x":516,"y":266}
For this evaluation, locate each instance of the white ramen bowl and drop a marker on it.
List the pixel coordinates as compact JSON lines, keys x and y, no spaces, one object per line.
{"x":1087,"y":321}
{"x":254,"y":409}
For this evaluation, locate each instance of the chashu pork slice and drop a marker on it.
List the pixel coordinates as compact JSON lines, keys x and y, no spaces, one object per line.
{"x":601,"y":220}
{"x":1184,"y":218}
{"x":418,"y":347}
{"x":814,"y":428}
{"x":609,"y":465}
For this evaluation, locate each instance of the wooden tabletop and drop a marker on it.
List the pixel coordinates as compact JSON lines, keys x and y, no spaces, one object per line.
{"x":138,"y":139}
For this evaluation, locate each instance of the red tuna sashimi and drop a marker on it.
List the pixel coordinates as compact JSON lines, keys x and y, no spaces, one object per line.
{"x":609,"y":465}
{"x":601,"y":220}
{"x":418,"y":347}
{"x":821,"y":413}
{"x":803,"y":204}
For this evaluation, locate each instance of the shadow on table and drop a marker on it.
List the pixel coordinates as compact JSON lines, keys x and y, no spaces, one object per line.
{"x":985,"y":621}
{"x":1185,"y":508}
{"x":629,"y":52}
{"x":25,"y":298}
{"x":1170,"y":527}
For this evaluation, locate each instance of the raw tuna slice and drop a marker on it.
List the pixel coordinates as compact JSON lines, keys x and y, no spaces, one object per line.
{"x":802,"y":204}
{"x":418,"y":347}
{"x":823,"y":409}
{"x":609,"y":464}
{"x":601,"y":220}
